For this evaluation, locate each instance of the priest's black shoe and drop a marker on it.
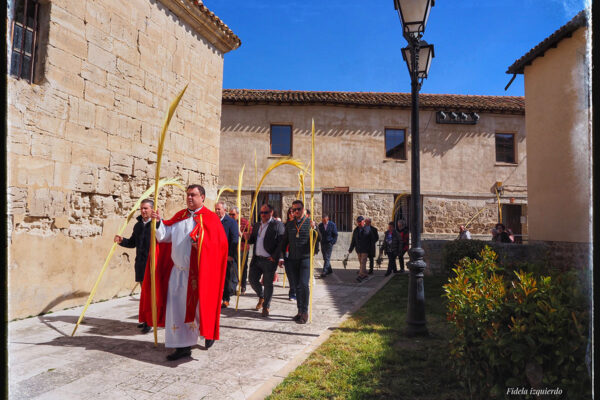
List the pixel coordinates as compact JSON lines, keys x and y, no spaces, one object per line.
{"x":208,"y":343}
{"x":146,"y":328}
{"x":179,"y":353}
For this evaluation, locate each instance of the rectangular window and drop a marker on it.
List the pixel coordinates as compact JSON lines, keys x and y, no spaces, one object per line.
{"x":272,"y":198}
{"x":24,"y":26}
{"x":281,"y":140}
{"x":339,"y":208}
{"x":395,"y":143}
{"x":505,"y":148}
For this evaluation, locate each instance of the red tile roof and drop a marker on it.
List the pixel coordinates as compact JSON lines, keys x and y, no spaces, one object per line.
{"x":453,"y":102}
{"x":580,"y":20}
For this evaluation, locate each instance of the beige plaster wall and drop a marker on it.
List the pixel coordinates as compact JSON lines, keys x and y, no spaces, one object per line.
{"x":350,"y":149}
{"x":558,"y":143}
{"x":82,"y":143}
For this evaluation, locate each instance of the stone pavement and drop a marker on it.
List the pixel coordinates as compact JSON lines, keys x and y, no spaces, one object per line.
{"x":108,"y":358}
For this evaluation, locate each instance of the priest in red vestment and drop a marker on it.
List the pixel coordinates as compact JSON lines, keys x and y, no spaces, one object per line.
{"x":189,"y":285}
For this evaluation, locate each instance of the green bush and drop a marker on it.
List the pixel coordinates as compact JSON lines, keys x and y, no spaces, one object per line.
{"x":456,"y":250}
{"x":524,"y":330}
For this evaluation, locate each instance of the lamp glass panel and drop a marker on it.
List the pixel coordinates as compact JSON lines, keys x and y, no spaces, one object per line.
{"x":425,"y":60}
{"x":414,"y":14}
{"x":425,"y":56}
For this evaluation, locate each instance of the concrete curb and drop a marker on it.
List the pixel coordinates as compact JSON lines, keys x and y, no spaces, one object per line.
{"x":267,"y":388}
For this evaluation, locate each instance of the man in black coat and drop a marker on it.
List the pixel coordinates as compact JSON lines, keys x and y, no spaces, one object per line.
{"x":140,"y":240}
{"x":297,"y":237}
{"x":266,"y":237}
{"x":362,"y":240}
{"x":375,"y":234}
{"x":233,"y":235}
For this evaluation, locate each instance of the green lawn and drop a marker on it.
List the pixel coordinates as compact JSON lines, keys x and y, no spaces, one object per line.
{"x":368,"y":356}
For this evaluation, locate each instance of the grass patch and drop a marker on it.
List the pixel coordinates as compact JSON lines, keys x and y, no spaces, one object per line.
{"x":368,"y":356}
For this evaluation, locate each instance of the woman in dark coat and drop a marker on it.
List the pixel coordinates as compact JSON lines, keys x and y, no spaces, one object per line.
{"x":140,"y":240}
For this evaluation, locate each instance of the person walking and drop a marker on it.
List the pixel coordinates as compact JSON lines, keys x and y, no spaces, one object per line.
{"x":231,"y":229}
{"x":266,"y":238}
{"x":191,"y":259}
{"x":296,"y":235}
{"x":245,"y":227}
{"x":329,"y":234}
{"x":140,"y":240}
{"x":392,"y":246}
{"x":287,"y":265}
{"x":375,"y":234}
{"x":404,"y":240}
{"x":362,"y":241}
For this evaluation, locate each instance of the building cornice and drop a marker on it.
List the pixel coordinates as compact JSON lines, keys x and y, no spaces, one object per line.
{"x":205,"y":23}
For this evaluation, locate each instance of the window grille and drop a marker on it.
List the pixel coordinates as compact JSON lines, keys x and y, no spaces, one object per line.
{"x":24,"y":27}
{"x":339,"y":208}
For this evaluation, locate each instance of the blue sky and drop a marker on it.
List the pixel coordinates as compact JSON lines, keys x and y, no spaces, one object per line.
{"x":355,"y":45}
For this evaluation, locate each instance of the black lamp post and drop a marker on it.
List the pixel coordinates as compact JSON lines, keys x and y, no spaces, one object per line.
{"x":413,"y":15}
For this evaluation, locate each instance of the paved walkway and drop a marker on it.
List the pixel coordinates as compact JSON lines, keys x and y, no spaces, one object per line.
{"x":108,"y":358}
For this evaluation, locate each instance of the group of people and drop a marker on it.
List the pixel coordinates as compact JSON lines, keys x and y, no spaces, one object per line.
{"x":364,"y":239}
{"x":499,"y":234}
{"x":196,"y":264}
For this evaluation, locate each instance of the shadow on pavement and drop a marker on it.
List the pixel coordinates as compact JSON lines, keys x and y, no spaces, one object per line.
{"x":96,"y":326}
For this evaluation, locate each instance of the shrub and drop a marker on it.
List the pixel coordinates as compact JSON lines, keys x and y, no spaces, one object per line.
{"x":456,"y":250}
{"x":524,"y":330}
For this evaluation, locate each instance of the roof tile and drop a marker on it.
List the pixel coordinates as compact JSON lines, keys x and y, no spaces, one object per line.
{"x":502,"y":104}
{"x":566,"y":30}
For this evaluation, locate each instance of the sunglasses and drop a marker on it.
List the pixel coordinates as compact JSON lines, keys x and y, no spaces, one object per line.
{"x":296,"y":209}
{"x":232,"y":214}
{"x":264,"y":212}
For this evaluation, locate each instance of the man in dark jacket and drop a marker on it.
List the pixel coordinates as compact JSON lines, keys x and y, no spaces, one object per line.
{"x":266,"y":237}
{"x":362,"y":240}
{"x":140,"y":240}
{"x":232,"y":232}
{"x":375,"y":234}
{"x":392,"y":246}
{"x":328,"y":232}
{"x":296,"y":235}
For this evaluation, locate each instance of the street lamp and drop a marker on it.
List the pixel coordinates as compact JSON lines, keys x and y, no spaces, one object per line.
{"x":413,"y":16}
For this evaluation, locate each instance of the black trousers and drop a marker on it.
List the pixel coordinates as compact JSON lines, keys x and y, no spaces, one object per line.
{"x":231,"y":280}
{"x":244,"y":272}
{"x":401,"y":257}
{"x":300,"y":270}
{"x":263,"y":266}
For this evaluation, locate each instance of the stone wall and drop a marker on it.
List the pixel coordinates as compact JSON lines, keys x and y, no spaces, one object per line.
{"x":445,"y":215}
{"x":568,"y":255}
{"x":563,"y":255}
{"x":378,"y":207}
{"x":82,"y":142}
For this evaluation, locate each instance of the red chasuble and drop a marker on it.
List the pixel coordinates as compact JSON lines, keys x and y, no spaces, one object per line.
{"x":206,"y":279}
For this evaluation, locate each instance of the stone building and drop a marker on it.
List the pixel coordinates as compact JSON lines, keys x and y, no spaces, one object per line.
{"x":558,"y":122}
{"x":470,"y":145}
{"x":89,"y":83}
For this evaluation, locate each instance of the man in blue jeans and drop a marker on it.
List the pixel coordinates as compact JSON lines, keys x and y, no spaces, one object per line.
{"x":328,"y":232}
{"x":296,"y":235}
